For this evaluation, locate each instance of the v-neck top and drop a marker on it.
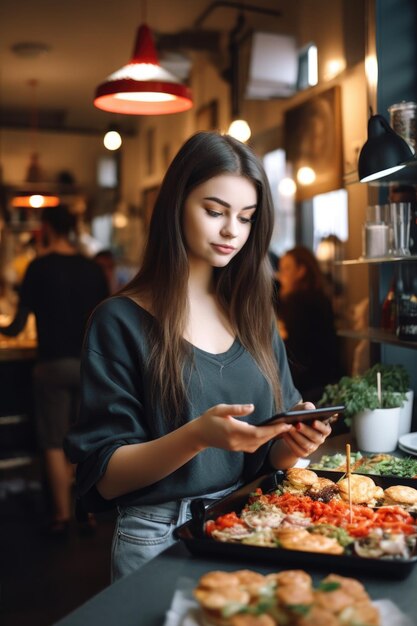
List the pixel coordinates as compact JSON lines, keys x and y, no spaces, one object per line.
{"x":116,"y":406}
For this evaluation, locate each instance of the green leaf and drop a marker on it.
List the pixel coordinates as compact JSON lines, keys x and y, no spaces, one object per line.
{"x":328,"y":586}
{"x":359,"y":393}
{"x":255,"y":506}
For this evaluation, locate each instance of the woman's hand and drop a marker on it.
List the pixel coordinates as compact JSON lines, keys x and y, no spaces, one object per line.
{"x":300,"y":441}
{"x":304,"y":439}
{"x":220,"y":427}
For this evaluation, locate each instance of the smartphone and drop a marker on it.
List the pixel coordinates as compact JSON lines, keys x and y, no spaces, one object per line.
{"x":327,"y":414}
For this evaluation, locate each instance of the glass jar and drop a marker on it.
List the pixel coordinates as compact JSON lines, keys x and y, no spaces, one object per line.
{"x":403,"y":119}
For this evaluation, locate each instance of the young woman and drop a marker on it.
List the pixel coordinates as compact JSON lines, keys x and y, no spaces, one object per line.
{"x":306,"y":323}
{"x":180,"y":366}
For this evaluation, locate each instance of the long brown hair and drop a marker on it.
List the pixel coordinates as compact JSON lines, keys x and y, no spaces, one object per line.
{"x":243,"y":287}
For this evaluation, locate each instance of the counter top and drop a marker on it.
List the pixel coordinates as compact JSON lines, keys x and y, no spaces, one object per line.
{"x":145,"y":596}
{"x":17,"y":352}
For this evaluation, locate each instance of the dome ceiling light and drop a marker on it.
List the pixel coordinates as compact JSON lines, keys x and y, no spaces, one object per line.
{"x":143,"y":87}
{"x":33,"y":194}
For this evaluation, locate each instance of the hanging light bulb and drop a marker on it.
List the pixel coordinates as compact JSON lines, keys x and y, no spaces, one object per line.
{"x":33,"y":195}
{"x":112,"y":140}
{"x":287,"y":187}
{"x":306,"y":175}
{"x":143,"y":87}
{"x":34,"y":201}
{"x":240,"y":129}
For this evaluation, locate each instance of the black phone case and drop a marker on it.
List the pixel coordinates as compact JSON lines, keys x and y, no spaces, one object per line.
{"x":328,"y":413}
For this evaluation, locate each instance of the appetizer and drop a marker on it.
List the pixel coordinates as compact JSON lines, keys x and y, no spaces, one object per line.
{"x":363,"y":490}
{"x":247,"y":598}
{"x":377,"y":464}
{"x":312,"y":514}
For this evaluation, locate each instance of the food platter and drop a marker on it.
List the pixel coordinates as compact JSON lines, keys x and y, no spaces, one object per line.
{"x":197,"y":541}
{"x":404,"y":468}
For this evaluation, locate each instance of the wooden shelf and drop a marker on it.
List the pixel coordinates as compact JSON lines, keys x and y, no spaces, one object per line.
{"x":377,"y":260}
{"x":376,"y":335}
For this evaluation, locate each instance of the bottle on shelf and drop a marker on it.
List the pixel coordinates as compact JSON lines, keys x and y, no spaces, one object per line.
{"x":407,"y":303}
{"x":407,"y":318}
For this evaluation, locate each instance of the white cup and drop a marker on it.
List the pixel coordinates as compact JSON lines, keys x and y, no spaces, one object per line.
{"x":375,"y":240}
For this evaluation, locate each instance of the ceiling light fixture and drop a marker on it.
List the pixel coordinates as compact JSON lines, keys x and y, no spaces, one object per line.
{"x":143,"y":87}
{"x":239,"y":128}
{"x":32,"y":194}
{"x":383,"y":153}
{"x":34,"y":200}
{"x":112,"y":140}
{"x":306,"y":175}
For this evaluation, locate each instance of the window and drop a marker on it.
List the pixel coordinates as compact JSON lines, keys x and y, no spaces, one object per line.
{"x":330,"y":216}
{"x":107,"y":173}
{"x":307,"y":67}
{"x":279,"y":177}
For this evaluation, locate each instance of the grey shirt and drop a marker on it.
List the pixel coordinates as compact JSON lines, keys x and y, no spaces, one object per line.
{"x":116,"y":405}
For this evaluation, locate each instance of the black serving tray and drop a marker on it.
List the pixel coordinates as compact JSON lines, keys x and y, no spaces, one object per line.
{"x":198,"y":543}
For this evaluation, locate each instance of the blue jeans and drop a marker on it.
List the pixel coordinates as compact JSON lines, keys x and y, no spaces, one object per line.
{"x":143,"y":531}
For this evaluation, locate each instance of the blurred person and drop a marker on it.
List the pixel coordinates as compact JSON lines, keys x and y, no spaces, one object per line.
{"x":306,"y":323}
{"x":61,"y":288}
{"x":181,"y":367}
{"x":105,"y":259}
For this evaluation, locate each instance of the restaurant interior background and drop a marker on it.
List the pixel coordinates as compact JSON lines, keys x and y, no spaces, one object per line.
{"x":54,"y":55}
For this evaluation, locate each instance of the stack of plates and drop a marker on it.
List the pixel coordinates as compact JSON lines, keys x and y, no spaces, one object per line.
{"x":408,"y":443}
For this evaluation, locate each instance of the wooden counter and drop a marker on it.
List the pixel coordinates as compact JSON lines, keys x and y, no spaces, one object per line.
{"x":20,"y":348}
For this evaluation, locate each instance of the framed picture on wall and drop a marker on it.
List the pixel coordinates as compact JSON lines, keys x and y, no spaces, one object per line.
{"x":313,"y":143}
{"x":207,"y":116}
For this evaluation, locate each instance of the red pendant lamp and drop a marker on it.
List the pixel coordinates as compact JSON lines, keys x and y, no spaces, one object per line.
{"x":143,"y":87}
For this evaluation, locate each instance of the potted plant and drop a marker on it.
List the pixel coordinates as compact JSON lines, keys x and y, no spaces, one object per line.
{"x":395,"y":378}
{"x":374,"y":421}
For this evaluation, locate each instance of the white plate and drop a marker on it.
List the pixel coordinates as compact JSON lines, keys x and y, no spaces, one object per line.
{"x":409,"y":441}
{"x":184,"y":609}
{"x":411,"y":451}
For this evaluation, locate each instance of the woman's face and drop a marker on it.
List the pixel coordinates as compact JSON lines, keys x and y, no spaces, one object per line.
{"x":217,"y":219}
{"x":289,"y":274}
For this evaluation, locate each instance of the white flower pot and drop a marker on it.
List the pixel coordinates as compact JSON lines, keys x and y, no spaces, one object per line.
{"x":406,"y":414}
{"x":377,"y":430}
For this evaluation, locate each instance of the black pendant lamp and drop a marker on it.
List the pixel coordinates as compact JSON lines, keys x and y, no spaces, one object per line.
{"x":383,"y":153}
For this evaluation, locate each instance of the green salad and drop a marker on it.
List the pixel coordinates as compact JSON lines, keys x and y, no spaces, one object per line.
{"x":377,"y":464}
